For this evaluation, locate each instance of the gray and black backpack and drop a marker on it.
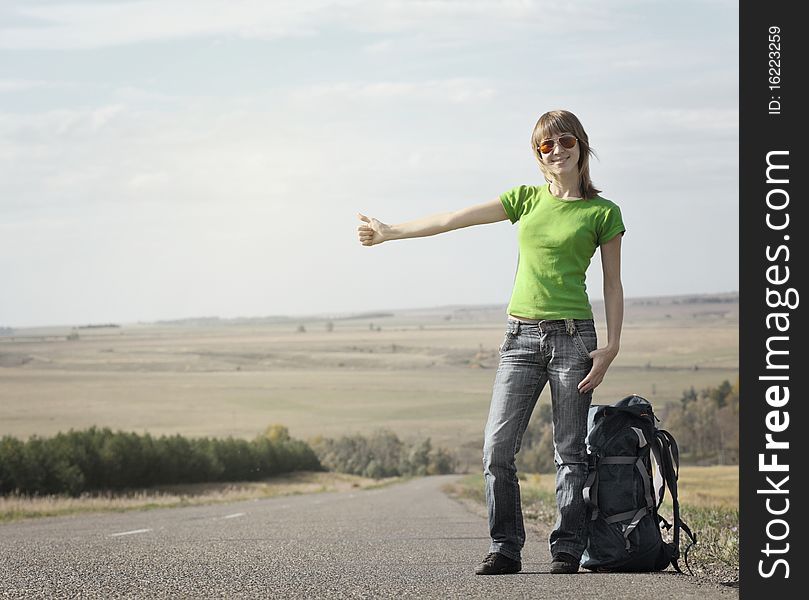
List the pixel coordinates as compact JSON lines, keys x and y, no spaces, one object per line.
{"x":631,"y":464}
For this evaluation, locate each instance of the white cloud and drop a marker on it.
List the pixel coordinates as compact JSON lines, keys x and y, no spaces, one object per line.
{"x":381,"y":47}
{"x":692,"y":120}
{"x":93,"y":25}
{"x":49,"y":125}
{"x":457,"y":90}
{"x":457,"y":18}
{"x":87,"y":25}
{"x":24,"y":85}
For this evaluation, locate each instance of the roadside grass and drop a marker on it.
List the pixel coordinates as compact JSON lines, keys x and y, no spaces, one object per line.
{"x":16,"y":507}
{"x":709,"y":504}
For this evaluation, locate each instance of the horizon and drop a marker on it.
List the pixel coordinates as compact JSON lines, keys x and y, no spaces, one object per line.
{"x":348,"y":315}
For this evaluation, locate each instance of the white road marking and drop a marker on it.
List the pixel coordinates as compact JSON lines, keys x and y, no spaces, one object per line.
{"x":133,"y":532}
{"x":233,"y":516}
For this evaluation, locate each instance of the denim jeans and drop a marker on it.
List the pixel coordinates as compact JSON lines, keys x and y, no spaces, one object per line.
{"x":532,"y":355}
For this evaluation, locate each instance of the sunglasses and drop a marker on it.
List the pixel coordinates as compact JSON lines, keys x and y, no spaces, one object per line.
{"x":567,"y":141}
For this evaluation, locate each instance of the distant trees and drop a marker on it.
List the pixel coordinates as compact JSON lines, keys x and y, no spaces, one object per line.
{"x":706,"y":424}
{"x":382,"y":454}
{"x":100,"y":459}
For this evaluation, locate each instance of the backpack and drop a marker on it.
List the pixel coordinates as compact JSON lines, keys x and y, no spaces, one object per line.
{"x":631,"y":462}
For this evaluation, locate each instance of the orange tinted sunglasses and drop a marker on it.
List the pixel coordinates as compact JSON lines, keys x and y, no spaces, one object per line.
{"x":567,"y":141}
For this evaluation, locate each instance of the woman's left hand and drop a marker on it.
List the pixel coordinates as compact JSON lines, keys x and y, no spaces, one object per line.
{"x":602,"y":359}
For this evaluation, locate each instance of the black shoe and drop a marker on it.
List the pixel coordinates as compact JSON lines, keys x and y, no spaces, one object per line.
{"x":498,"y":564}
{"x":564,"y":563}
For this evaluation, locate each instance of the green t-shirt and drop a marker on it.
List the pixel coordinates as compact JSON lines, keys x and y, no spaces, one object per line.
{"x":557,"y":238}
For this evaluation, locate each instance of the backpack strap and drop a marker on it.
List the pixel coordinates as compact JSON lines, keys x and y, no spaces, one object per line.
{"x":617,"y":460}
{"x":634,"y":523}
{"x":669,"y":461}
{"x":640,"y":463}
{"x":693,"y":541}
{"x":635,"y":514}
{"x":659,"y":479}
{"x":647,"y":486}
{"x":590,"y":491}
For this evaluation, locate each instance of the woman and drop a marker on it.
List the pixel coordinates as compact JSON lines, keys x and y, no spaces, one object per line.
{"x":550,"y":335}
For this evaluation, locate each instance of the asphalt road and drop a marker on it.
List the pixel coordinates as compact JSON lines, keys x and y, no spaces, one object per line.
{"x":405,"y":541}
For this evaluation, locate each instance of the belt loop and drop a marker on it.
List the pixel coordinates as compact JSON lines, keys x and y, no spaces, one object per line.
{"x":570,"y":326}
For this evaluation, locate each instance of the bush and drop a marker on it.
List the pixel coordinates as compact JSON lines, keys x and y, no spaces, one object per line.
{"x":381,"y":455}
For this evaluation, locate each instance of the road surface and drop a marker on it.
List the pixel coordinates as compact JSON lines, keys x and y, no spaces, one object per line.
{"x":403,"y":541}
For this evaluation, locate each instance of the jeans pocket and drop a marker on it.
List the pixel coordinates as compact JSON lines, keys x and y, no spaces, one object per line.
{"x":508,"y":341}
{"x":585,"y":343}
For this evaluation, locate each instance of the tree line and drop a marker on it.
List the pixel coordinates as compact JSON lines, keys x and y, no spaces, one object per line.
{"x":97,"y":459}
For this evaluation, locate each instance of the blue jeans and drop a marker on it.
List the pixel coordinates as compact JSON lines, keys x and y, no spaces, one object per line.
{"x":530,"y":356}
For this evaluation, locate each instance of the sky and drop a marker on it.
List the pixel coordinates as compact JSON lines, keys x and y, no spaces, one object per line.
{"x":164,"y":159}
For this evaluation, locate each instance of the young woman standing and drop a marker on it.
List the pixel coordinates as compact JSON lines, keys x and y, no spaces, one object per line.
{"x":550,"y":335}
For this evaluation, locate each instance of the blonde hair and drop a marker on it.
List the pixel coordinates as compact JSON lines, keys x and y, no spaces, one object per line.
{"x":557,"y":122}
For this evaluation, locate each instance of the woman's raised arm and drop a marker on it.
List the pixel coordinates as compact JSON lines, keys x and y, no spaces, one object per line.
{"x":372,"y":231}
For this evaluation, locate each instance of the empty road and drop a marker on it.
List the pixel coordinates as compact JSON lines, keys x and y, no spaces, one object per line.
{"x":404,"y":541}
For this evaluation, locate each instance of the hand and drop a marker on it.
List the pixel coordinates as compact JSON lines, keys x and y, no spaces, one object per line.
{"x":602,"y":359}
{"x":372,"y":231}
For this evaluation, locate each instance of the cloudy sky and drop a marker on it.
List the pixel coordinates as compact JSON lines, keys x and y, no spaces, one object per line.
{"x":168,"y":158}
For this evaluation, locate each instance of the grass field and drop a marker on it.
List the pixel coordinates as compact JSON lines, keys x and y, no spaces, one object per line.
{"x":421,"y":373}
{"x":14,"y":508}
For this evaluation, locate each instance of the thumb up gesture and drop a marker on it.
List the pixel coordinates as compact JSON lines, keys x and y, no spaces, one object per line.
{"x":371,"y":231}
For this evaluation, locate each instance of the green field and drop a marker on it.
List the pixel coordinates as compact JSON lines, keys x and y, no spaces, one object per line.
{"x":420,"y":373}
